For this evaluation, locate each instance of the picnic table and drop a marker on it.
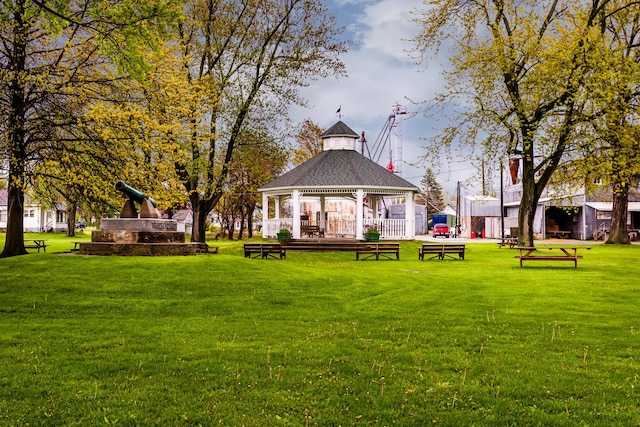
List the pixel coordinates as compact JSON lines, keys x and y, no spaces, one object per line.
{"x":441,"y":251}
{"x":35,"y":244}
{"x":508,"y":241}
{"x":562,"y":253}
{"x":560,"y":234}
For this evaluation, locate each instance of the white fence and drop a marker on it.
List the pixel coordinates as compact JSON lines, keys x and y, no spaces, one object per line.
{"x":388,"y":228}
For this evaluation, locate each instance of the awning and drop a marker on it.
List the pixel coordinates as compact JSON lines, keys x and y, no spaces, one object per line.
{"x":608,"y":206}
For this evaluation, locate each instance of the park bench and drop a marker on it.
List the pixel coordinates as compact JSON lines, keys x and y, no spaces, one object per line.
{"x":386,"y":250}
{"x":560,"y":234}
{"x":311,"y":230}
{"x":441,"y":250}
{"x":264,"y":250}
{"x":35,"y":244}
{"x":322,"y":245}
{"x":531,"y":253}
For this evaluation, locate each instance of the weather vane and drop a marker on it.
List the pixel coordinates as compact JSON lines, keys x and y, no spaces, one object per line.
{"x":338,"y":113}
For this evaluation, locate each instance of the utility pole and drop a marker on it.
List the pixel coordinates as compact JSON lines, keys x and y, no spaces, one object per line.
{"x":501,"y":201}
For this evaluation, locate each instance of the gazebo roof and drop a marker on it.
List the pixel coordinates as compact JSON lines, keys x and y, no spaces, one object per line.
{"x":339,"y":129}
{"x":339,"y":169}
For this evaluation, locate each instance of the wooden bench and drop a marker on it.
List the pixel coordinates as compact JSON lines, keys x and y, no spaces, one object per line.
{"x":531,"y":253}
{"x":508,"y":241}
{"x":440,"y":251}
{"x":560,"y":234}
{"x":35,"y":244}
{"x":264,"y":250}
{"x":322,"y":245}
{"x":311,"y":230}
{"x":386,"y":250}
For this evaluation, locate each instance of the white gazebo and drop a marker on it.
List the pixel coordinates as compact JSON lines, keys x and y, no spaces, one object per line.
{"x":340,"y":173}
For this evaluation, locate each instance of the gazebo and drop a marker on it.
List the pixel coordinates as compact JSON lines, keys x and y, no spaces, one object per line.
{"x":340,"y":172}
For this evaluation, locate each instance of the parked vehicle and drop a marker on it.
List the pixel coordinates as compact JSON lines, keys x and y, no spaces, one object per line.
{"x":441,"y":230}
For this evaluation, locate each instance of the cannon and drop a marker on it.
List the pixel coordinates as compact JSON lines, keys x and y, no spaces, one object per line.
{"x":133,"y":194}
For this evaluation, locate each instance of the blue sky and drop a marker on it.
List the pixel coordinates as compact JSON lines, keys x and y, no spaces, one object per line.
{"x":381,"y":73}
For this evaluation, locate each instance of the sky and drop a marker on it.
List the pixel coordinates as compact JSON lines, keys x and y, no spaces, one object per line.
{"x":382,"y":73}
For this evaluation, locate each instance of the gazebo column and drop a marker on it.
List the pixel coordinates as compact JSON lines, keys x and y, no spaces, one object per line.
{"x":295,"y":201}
{"x":374,"y":206}
{"x":410,"y":215}
{"x":359,"y":213}
{"x":277,"y":208}
{"x":265,"y":214}
{"x":322,"y":223}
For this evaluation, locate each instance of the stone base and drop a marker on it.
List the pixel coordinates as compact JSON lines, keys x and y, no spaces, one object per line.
{"x":138,"y":224}
{"x":124,"y":236}
{"x":142,"y":249}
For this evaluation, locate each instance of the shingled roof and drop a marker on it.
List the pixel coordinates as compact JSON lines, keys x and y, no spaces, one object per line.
{"x":339,"y":168}
{"x":339,"y":129}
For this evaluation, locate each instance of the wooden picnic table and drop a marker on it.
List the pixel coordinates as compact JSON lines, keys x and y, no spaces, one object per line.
{"x":561,"y":234}
{"x":566,"y":253}
{"x":35,"y":244}
{"x":441,"y":251}
{"x":508,"y":241}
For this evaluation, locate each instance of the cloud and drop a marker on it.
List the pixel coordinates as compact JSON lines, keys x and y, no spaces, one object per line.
{"x":381,"y":73}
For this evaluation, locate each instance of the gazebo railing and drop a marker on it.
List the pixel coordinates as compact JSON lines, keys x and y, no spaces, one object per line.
{"x":388,"y":228}
{"x":270,"y":227}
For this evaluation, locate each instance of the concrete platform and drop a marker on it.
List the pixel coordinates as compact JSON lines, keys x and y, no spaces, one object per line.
{"x":142,"y":249}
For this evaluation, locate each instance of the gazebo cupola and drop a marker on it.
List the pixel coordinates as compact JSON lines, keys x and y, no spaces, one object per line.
{"x":339,"y":137}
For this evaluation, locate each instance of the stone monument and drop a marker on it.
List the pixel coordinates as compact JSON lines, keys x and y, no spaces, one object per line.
{"x":144,"y":233}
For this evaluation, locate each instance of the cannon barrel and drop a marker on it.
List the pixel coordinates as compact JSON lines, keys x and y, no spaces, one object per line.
{"x":135,"y":195}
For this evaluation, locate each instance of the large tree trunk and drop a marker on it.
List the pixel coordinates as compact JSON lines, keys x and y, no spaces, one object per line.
{"x":528,"y":202}
{"x":619,"y":234}
{"x":199,"y":219}
{"x":14,"y":243}
{"x":71,"y":219}
{"x":250,"y":211}
{"x":198,"y":233}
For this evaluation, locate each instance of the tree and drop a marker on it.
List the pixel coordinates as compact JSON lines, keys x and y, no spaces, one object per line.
{"x":259,"y":159}
{"x":250,"y":58}
{"x":50,"y":55}
{"x":520,"y":71}
{"x":433,"y":190}
{"x":308,"y":141}
{"x":612,"y":112}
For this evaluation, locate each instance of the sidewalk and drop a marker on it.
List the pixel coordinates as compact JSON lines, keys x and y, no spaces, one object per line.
{"x":430,"y":238}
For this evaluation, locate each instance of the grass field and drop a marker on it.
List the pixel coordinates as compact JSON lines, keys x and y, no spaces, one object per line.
{"x":319,"y":339}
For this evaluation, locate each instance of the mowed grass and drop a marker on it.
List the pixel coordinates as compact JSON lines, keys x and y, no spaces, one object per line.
{"x":319,"y":339}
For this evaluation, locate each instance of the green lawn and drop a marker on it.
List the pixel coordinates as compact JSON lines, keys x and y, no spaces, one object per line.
{"x":319,"y":339}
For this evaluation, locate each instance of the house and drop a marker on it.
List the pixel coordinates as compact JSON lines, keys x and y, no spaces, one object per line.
{"x":569,"y":213}
{"x":37,"y":218}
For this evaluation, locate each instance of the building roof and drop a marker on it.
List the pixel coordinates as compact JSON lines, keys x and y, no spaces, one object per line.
{"x":339,"y":169}
{"x":608,"y":206}
{"x":339,"y":129}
